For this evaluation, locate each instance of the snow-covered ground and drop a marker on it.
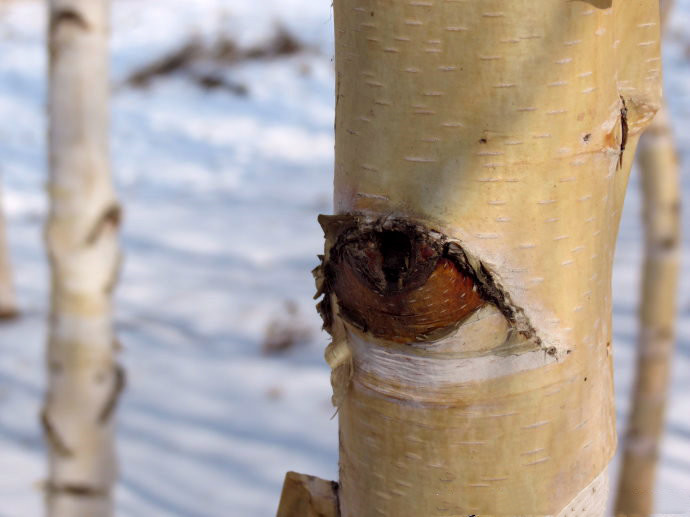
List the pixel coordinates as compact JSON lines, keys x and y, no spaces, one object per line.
{"x":221,"y":195}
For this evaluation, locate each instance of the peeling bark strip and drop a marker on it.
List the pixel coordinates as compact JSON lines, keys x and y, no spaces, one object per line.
{"x":404,"y":282}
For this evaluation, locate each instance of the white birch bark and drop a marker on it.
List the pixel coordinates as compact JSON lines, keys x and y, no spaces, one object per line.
{"x":482,"y":154}
{"x":81,"y":236}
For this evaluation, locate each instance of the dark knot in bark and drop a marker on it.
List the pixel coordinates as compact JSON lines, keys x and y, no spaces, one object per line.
{"x":396,"y":279}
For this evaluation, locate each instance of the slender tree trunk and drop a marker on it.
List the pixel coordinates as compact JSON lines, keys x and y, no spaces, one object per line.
{"x":482,"y":155}
{"x":8,"y":298}
{"x":660,"y":190}
{"x":81,"y":236}
{"x":658,"y":165}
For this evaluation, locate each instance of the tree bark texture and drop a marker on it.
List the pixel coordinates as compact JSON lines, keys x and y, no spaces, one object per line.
{"x":84,"y":381}
{"x":482,"y":156}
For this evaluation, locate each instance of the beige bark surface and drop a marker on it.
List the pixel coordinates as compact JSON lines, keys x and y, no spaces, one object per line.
{"x":491,"y":141}
{"x":81,"y":235}
{"x":8,"y":297}
{"x":660,"y":189}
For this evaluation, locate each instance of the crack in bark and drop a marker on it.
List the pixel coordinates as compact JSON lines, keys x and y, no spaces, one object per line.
{"x":118,"y":388}
{"x":53,"y":438}
{"x":624,"y":132}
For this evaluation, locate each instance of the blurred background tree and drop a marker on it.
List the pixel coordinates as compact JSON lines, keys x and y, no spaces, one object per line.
{"x":658,"y":166}
{"x":84,"y":380}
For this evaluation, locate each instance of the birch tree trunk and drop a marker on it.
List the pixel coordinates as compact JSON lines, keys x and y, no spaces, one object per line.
{"x":81,"y":236}
{"x":482,"y":155}
{"x":660,"y":191}
{"x":8,"y":298}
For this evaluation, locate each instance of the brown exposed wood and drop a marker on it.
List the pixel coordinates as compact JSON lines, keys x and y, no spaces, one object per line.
{"x":446,"y":299}
{"x":404,"y":281}
{"x":396,"y":280}
{"x":308,"y":496}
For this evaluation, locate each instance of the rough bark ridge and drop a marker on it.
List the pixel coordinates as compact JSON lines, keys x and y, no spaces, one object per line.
{"x":506,"y":129}
{"x":84,"y":381}
{"x":660,"y":186}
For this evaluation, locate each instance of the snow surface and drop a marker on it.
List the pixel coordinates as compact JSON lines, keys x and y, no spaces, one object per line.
{"x":221,"y":195}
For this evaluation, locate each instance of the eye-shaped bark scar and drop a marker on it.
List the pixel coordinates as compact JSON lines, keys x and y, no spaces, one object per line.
{"x":403,"y":282}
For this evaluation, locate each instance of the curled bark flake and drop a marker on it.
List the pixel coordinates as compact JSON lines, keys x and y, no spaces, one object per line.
{"x":53,"y":438}
{"x":119,"y":384}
